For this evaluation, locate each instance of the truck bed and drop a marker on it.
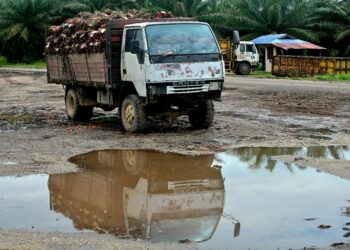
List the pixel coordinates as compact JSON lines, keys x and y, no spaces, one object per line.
{"x":87,"y":69}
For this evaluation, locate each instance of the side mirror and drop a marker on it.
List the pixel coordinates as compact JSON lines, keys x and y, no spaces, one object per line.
{"x":235,"y":39}
{"x":135,"y":47}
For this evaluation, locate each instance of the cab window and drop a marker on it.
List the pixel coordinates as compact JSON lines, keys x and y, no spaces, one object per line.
{"x":250,"y":48}
{"x":133,"y":34}
{"x":242,"y":48}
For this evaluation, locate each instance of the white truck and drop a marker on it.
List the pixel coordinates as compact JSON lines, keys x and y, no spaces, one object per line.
{"x":241,"y":59}
{"x":150,"y":67}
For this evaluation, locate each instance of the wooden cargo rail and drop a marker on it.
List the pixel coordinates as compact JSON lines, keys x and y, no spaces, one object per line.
{"x":309,"y":66}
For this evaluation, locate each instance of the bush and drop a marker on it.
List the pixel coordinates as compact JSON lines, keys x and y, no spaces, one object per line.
{"x":3,"y":60}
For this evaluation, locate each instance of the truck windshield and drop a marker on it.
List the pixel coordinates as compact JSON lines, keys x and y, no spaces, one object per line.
{"x":180,"y":39}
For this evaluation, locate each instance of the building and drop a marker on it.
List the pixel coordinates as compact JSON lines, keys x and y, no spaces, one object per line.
{"x":283,"y":44}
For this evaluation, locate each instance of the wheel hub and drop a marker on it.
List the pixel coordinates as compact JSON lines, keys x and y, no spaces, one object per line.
{"x":129,"y":114}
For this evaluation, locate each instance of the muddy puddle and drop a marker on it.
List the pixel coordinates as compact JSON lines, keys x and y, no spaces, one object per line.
{"x":234,"y":200}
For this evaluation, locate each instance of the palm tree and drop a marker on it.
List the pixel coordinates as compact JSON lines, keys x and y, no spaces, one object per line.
{"x":22,"y":28}
{"x":260,"y":17}
{"x":210,"y":11}
{"x":66,"y":9}
{"x":69,"y":8}
{"x":87,"y":5}
{"x":261,"y":157}
{"x":187,"y":8}
{"x":75,"y":6}
{"x":334,"y":17}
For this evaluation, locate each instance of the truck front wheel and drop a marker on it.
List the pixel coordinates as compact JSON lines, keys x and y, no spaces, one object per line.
{"x":204,"y":116}
{"x":133,"y":161}
{"x":133,"y":114}
{"x":74,"y":110}
{"x":244,"y":68}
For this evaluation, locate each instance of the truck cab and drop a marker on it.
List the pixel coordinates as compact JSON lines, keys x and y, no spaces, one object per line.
{"x":174,"y":64}
{"x":240,"y":57}
{"x":171,"y":58}
{"x":246,"y":57}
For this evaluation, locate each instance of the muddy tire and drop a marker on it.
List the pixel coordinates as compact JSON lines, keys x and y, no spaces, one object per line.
{"x":133,"y":114}
{"x":244,"y":68}
{"x":74,"y":110}
{"x":204,"y":116}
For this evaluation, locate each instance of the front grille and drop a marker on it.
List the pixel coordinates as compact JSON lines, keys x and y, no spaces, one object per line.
{"x":188,"y":184}
{"x":187,"y":89}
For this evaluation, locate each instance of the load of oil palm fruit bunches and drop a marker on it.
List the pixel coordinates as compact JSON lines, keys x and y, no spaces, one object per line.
{"x":86,"y":32}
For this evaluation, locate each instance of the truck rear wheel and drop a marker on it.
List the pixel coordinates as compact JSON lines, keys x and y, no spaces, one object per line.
{"x":244,"y":68}
{"x":74,"y":110}
{"x":133,"y":114}
{"x":204,"y":116}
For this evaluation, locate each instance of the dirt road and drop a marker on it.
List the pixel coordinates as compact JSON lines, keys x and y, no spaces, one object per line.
{"x":36,"y":136}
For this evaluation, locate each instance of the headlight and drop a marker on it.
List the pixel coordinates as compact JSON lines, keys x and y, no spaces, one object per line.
{"x":214,"y":86}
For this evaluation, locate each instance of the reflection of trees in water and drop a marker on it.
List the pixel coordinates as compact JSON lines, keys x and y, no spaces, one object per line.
{"x":335,"y":152}
{"x":261,"y":157}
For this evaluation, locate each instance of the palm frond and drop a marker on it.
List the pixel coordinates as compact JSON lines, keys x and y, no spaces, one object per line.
{"x":343,"y":34}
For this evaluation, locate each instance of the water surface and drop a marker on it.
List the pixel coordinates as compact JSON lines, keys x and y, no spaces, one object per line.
{"x":234,"y":200}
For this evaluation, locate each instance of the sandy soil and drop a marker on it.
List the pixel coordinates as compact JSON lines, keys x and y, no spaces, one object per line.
{"x":24,"y":240}
{"x":36,"y":137}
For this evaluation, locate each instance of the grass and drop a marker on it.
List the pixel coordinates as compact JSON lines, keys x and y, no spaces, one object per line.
{"x":332,"y":78}
{"x":262,"y":74}
{"x":40,"y":64}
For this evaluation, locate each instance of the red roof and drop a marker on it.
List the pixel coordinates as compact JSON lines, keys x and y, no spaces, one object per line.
{"x":304,"y":45}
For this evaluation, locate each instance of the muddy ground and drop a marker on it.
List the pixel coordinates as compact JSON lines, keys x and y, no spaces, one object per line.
{"x":37,"y":138}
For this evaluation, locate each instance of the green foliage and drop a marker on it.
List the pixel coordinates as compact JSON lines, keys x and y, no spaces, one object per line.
{"x":261,"y":74}
{"x":328,"y":77}
{"x":261,"y":17}
{"x":334,"y":78}
{"x":188,"y":8}
{"x":334,"y":20}
{"x":327,"y":22}
{"x":39,"y":64}
{"x":3,"y":60}
{"x":22,"y":28}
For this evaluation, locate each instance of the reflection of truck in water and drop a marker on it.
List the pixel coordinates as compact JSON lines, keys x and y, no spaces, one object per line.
{"x":149,"y":68}
{"x":240,"y":59}
{"x":144,"y":194}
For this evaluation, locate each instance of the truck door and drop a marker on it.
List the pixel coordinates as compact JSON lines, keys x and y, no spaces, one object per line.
{"x":252,"y":55}
{"x":250,"y":51}
{"x":241,"y":53}
{"x":133,"y":69}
